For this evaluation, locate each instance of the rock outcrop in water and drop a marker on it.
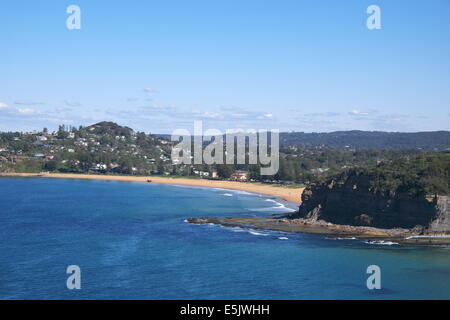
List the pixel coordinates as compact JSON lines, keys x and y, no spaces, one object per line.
{"x":353,"y":201}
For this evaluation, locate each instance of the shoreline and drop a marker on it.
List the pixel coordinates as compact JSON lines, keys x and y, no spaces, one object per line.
{"x":291,"y":195}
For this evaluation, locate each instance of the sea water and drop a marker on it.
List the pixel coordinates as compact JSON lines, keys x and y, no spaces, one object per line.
{"x":131,"y":241}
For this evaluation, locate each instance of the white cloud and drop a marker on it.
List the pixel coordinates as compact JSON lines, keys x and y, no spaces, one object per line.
{"x":392,"y":117}
{"x":72,"y":103}
{"x":207,"y":115}
{"x":60,"y":109}
{"x":150,"y":90}
{"x":26,"y":110}
{"x":157,"y":107}
{"x":356,"y":112}
{"x":239,"y":115}
{"x":3,"y":105}
{"x":362,"y":113}
{"x":324,"y":114}
{"x":25,"y":102}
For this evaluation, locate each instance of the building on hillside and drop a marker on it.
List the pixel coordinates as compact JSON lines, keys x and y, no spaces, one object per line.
{"x":239,"y":176}
{"x":214,"y":175}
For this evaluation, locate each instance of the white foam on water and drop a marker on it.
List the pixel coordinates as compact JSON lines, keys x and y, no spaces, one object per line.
{"x":227,"y":194}
{"x":237,"y":229}
{"x":337,"y":238}
{"x":279,"y":207}
{"x":245,"y":193}
{"x":381,"y":242}
{"x":257,"y":233}
{"x":254,"y":232}
{"x":429,"y":237}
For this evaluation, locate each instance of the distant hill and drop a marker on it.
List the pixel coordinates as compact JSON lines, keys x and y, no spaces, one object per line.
{"x":108,"y":127}
{"x":433,"y":140}
{"x":356,"y":139}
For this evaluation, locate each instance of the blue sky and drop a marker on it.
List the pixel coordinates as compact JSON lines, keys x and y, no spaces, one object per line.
{"x":156,"y":66}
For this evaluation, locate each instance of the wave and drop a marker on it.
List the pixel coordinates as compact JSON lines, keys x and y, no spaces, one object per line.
{"x":227,"y":194}
{"x":429,"y":237}
{"x":382,"y":242}
{"x":279,"y":207}
{"x":275,"y":234}
{"x":247,"y":193}
{"x":257,"y":233}
{"x":339,"y":238}
{"x":237,"y":229}
{"x":240,"y":229}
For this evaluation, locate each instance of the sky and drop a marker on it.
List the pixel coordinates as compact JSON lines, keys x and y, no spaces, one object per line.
{"x":157,"y":66}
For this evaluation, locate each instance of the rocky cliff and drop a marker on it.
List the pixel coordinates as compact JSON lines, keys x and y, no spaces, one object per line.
{"x":353,"y":201}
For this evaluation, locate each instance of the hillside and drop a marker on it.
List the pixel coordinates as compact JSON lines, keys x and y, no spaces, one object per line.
{"x":407,"y":194}
{"x":104,"y":147}
{"x":108,"y":147}
{"x":435,"y":140}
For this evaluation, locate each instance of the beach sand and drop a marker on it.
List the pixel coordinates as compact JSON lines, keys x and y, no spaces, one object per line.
{"x":288,"y":194}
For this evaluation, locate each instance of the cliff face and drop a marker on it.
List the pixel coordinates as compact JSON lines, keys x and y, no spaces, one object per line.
{"x":441,"y":223}
{"x":353,"y":203}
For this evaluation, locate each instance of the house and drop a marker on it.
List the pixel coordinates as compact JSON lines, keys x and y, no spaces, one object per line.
{"x":99,"y":167}
{"x":214,"y":175}
{"x":201,"y":173}
{"x":239,"y":176}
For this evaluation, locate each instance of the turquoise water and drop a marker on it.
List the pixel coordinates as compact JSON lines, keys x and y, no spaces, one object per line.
{"x":131,"y":242}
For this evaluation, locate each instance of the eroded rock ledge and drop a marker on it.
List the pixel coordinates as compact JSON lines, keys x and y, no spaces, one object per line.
{"x":398,"y":235}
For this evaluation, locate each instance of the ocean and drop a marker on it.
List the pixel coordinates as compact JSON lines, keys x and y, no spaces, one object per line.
{"x":130,"y":241}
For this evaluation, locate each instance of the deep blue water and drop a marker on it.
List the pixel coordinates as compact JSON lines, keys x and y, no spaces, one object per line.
{"x":131,"y":242}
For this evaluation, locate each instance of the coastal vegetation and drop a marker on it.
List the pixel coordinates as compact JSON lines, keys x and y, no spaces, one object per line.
{"x":420,"y":175}
{"x":412,"y":193}
{"x":108,"y":148}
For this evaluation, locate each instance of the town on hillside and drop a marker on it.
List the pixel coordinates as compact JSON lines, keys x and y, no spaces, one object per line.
{"x":108,"y":148}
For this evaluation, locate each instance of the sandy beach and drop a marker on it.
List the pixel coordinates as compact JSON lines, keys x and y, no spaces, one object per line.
{"x":288,"y":194}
